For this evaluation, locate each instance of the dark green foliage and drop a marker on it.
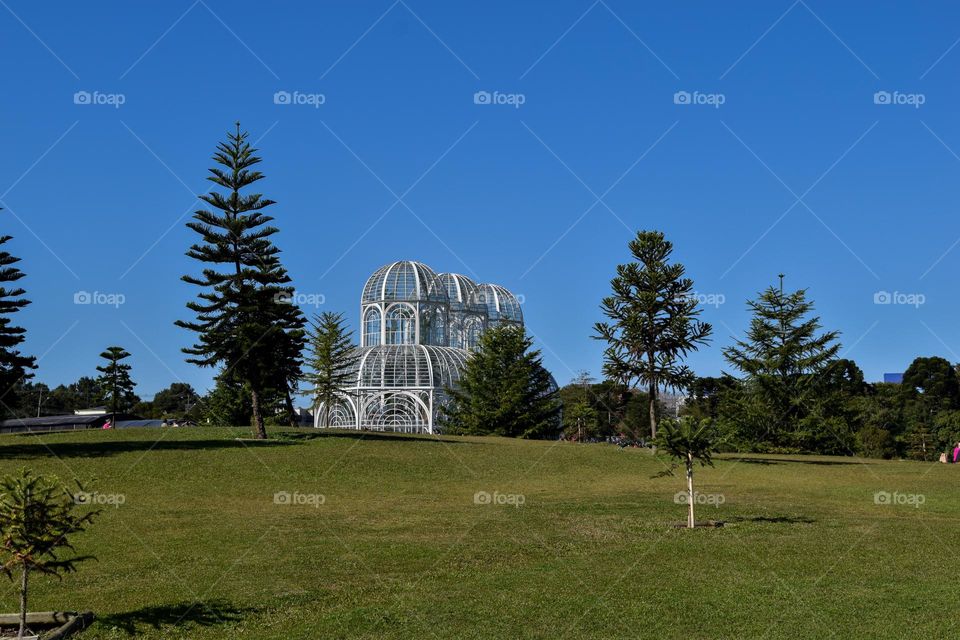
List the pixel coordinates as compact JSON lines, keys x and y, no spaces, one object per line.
{"x":116,"y":387}
{"x":932,"y":383}
{"x":581,"y":420}
{"x":930,"y":389}
{"x":504,"y":390}
{"x":37,"y":518}
{"x":60,"y":400}
{"x":227,"y":404}
{"x":14,"y":366}
{"x":688,"y":439}
{"x":652,"y":324}
{"x":784,"y":359}
{"x":244,"y":320}
{"x":616,"y":410}
{"x":876,"y":442}
{"x":703,"y":401}
{"x":330,"y":361}
{"x":178,"y":401}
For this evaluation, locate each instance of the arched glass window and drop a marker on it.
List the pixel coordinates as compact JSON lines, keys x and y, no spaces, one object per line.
{"x":439,"y":327}
{"x":401,"y":325}
{"x":473,"y":330}
{"x":371,"y":327}
{"x":433,"y":325}
{"x":456,"y":331}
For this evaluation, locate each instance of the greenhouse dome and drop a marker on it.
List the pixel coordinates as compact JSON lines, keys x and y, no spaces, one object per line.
{"x":468,"y":315}
{"x":502,"y":306}
{"x":418,"y":329}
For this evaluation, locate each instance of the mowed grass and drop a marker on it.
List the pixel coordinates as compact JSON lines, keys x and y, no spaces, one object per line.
{"x":399,"y":548}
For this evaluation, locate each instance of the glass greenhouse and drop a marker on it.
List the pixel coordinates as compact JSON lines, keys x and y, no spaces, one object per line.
{"x":418,"y":329}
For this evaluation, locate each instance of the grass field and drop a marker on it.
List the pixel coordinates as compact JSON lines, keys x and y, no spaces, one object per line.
{"x":399,"y":548}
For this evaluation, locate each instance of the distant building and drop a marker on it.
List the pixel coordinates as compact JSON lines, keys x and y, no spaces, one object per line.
{"x":418,"y":328}
{"x":67,"y":422}
{"x":893,"y":378}
{"x":92,"y":411}
{"x":672,"y":403}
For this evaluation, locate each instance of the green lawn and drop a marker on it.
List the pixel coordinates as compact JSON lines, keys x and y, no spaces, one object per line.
{"x":399,"y":548}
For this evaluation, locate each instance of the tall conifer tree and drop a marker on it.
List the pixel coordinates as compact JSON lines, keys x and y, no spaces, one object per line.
{"x":244,"y":321}
{"x":116,"y":386}
{"x":331,"y":360}
{"x":653,"y":322}
{"x":504,"y":390}
{"x":783,"y":359}
{"x":14,"y":366}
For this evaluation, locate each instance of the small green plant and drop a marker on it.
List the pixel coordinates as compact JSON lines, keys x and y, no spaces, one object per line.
{"x":689,"y":441}
{"x":37,"y":517}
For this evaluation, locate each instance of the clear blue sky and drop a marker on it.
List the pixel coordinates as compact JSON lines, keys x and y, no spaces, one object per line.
{"x":799,"y":170}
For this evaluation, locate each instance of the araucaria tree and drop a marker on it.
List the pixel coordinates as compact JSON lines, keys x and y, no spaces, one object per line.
{"x":783,"y":359}
{"x":37,"y":518}
{"x":330,"y":361}
{"x":504,"y":390}
{"x":244,"y":317}
{"x":653,"y":322}
{"x":14,"y":366}
{"x":689,"y":441}
{"x":116,"y":387}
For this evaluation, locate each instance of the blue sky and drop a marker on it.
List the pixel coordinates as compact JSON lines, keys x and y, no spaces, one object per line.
{"x":783,"y":159}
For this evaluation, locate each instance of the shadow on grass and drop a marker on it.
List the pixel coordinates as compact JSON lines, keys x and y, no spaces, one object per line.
{"x":205,"y":614}
{"x":774,"y":519}
{"x":113,"y":447}
{"x":824,"y":463}
{"x":365,"y":435}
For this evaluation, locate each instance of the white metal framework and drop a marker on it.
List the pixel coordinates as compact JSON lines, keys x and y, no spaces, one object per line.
{"x":417,"y":331}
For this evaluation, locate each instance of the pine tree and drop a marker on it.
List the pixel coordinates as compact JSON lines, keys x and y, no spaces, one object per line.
{"x":504,"y":390}
{"x":243,"y":311}
{"x":654,"y":325}
{"x":782,"y":358}
{"x":227,"y":404}
{"x":14,"y":366}
{"x":37,"y":520}
{"x":116,"y":387}
{"x":331,"y":361}
{"x":287,"y":362}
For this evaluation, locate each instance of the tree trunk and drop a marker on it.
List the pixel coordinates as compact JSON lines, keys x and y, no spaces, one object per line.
{"x":291,"y":412}
{"x":652,"y":405}
{"x":259,"y":430}
{"x":23,"y":603}
{"x":691,"y":523}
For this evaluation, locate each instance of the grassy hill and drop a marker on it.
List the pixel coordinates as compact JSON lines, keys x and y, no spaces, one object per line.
{"x":399,"y":548}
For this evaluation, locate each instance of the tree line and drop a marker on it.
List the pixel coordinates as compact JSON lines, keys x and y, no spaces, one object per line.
{"x":246,"y":325}
{"x":786,"y":390}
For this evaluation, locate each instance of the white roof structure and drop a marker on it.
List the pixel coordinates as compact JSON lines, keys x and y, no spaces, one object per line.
{"x":418,"y":328}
